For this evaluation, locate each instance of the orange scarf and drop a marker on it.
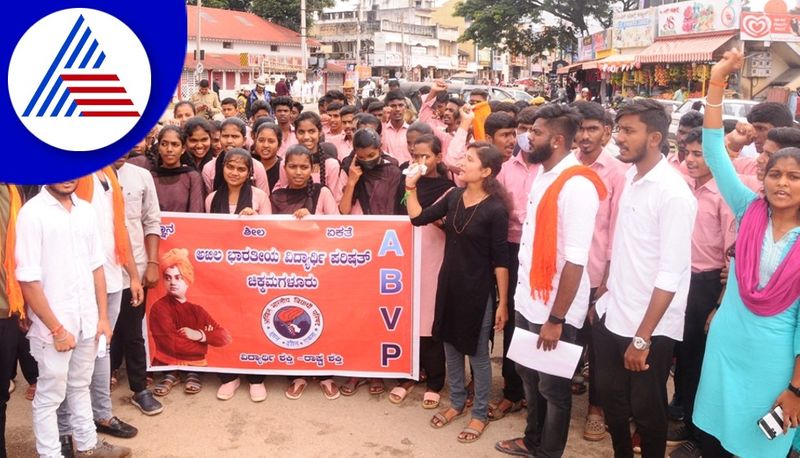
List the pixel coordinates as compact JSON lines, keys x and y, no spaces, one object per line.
{"x":13,"y":291}
{"x":545,"y":239}
{"x":482,"y":111}
{"x":85,"y":191}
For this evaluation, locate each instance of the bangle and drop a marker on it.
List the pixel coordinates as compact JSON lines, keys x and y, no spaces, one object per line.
{"x":411,"y":188}
{"x":720,"y":84}
{"x":713,"y":105}
{"x":556,"y":320}
{"x":56,"y":330}
{"x":795,"y":391}
{"x":153,"y":262}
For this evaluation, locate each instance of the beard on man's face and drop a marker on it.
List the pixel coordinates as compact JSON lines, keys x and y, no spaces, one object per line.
{"x":539,"y":154}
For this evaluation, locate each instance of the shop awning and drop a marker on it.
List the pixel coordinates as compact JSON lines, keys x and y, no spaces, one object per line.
{"x":617,"y":63}
{"x":692,"y":49}
{"x":569,"y":68}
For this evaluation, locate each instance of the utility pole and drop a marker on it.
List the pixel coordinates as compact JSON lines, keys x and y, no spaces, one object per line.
{"x":358,"y":35}
{"x":403,"y":45}
{"x":199,"y":8}
{"x":303,"y":44}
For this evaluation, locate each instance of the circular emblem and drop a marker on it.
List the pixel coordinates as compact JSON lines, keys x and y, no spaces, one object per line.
{"x":291,"y":322}
{"x":79,"y":79}
{"x":756,"y":26}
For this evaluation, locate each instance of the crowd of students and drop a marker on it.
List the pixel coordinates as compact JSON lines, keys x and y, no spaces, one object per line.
{"x":574,"y":223}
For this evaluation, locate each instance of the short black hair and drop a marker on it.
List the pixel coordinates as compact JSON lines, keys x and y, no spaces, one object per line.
{"x":298,"y":105}
{"x":347,"y":110}
{"x":368,"y":119}
{"x":394,"y":83}
{"x":729,"y":125}
{"x":324,"y":100}
{"x":521,"y":105}
{"x":336,"y":95}
{"x":282,"y":101}
{"x":785,"y":137}
{"x":204,"y":83}
{"x":442,"y":97}
{"x":691,"y":119}
{"x":424,"y":90}
{"x":498,"y":120}
{"x":228,"y":101}
{"x":590,"y":110}
{"x":697,"y":105}
{"x":608,"y":120}
{"x":527,"y":115}
{"x":565,"y":119}
{"x":506,"y":107}
{"x":367,"y":102}
{"x":394,"y":95}
{"x":258,"y":105}
{"x":480,"y":93}
{"x":773,"y":113}
{"x":694,"y":136}
{"x":375,"y":106}
{"x":457,"y":101}
{"x":649,"y":112}
{"x":334,"y":106}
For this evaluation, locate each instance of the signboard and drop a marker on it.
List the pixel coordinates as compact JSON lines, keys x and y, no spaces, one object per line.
{"x":770,"y":27}
{"x":702,"y":16}
{"x":274,"y":295}
{"x":634,"y":29}
{"x":585,"y":49}
{"x":484,"y":57}
{"x":497,"y":61}
{"x":601,"y":41}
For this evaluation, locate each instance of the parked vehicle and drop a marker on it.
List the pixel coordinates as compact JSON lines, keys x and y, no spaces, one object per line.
{"x":731,"y":109}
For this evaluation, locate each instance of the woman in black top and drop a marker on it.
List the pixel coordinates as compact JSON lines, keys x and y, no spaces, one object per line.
{"x":476,"y":253}
{"x":268,"y":139}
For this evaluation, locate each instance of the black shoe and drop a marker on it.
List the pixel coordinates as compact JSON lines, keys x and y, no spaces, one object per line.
{"x":688,"y":449}
{"x":675,"y":411}
{"x":117,"y":428}
{"x":148,"y":404}
{"x":677,"y":433}
{"x":67,"y":449}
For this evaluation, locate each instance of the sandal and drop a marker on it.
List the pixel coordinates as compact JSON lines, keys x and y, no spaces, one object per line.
{"x":496,"y":413}
{"x":476,"y":434}
{"x":296,"y":389}
{"x":114,"y":381}
{"x":399,"y":393}
{"x":440,"y":420}
{"x":595,"y":428}
{"x":30,"y":393}
{"x":351,"y":387}
{"x":513,"y":447}
{"x":376,"y":387}
{"x":193,"y":383}
{"x":163,"y":387}
{"x":578,"y":384}
{"x":430,"y":400}
{"x":329,"y":389}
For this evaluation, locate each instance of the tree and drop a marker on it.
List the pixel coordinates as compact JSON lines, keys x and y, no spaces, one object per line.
{"x":499,"y":24}
{"x":282,"y":12}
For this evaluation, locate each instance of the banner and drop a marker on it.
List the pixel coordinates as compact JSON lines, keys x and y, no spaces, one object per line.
{"x":276,"y":295}
{"x":701,"y":16}
{"x":770,"y":27}
{"x":634,"y":29}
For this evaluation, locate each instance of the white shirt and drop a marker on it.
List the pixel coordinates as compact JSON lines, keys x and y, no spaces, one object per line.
{"x":652,"y":248}
{"x":103,"y":203}
{"x":577,"y":208}
{"x":60,"y":249}
{"x":142,"y":213}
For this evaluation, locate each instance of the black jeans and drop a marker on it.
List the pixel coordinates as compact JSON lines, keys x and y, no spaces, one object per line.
{"x":625,"y":394}
{"x":128,"y":342}
{"x":9,"y":337}
{"x":704,"y":290}
{"x":431,"y":358}
{"x":585,"y":339}
{"x":549,"y":401}
{"x":30,"y":370}
{"x":512,"y":387}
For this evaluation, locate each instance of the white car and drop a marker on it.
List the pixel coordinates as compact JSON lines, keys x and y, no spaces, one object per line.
{"x":731,"y":109}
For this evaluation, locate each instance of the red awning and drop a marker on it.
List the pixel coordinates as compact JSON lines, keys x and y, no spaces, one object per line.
{"x":569,"y":68}
{"x":691,"y":49}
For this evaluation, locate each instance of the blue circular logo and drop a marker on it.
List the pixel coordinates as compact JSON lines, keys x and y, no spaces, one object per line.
{"x":86,"y":83}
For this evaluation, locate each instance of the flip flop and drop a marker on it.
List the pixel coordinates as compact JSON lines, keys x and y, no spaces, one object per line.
{"x":296,"y":389}
{"x":432,"y":399}
{"x":477,"y":434}
{"x":443,"y":419}
{"x":329,"y":389}
{"x":166,"y":384}
{"x":495,"y":413}
{"x":351,"y":387}
{"x":511,"y":447}
{"x":376,"y":387}
{"x":398,"y":394}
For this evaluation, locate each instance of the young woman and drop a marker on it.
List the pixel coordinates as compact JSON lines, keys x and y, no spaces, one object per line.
{"x":267,"y":142}
{"x":476,"y":252}
{"x":432,"y":186}
{"x":308,"y":130}
{"x":751,"y":361}
{"x":237,"y":196}
{"x":303,"y":197}
{"x":232,"y":135}
{"x":372,"y":179}
{"x":197,"y":132}
{"x":179,"y":186}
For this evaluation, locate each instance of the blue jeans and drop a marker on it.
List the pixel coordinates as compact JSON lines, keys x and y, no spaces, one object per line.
{"x":481,"y":371}
{"x":549,"y":401}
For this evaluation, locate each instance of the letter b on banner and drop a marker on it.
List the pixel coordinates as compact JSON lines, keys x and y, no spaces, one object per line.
{"x":391,"y":281}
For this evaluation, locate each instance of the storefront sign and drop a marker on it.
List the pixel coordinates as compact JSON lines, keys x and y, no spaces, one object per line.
{"x":702,"y":16}
{"x":601,"y":41}
{"x":770,"y":27}
{"x":634,"y":29}
{"x":585,"y":49}
{"x":484,"y":57}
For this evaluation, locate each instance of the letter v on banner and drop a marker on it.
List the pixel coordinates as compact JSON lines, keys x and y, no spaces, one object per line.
{"x":391,"y":321}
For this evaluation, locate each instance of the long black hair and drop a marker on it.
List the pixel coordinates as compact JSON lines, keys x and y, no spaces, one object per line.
{"x":193,"y":124}
{"x":492,"y":158}
{"x":312,"y":190}
{"x":219,"y":203}
{"x":319,"y":156}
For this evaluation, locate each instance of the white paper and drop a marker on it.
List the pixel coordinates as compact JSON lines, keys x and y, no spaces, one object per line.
{"x":560,"y":362}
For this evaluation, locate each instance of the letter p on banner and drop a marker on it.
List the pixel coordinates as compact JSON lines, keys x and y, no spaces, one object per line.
{"x":389,"y":352}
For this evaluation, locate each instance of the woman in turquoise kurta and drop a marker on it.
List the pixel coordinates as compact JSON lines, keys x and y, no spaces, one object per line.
{"x":754,"y":338}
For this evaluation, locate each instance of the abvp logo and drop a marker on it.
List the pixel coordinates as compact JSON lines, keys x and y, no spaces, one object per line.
{"x":91,"y":92}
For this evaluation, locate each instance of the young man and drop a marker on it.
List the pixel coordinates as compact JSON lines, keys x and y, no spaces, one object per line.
{"x":525,"y":120}
{"x":689,"y":121}
{"x":258,"y":94}
{"x":552,"y":295}
{"x":394,"y":131}
{"x":766,"y":116}
{"x":477,"y":96}
{"x":59,"y":264}
{"x":206,"y":101}
{"x":714,"y":232}
{"x":376,"y":109}
{"x":348,"y":118}
{"x":349,"y":91}
{"x":641,"y":315}
{"x":229,"y":109}
{"x":297,"y":108}
{"x":592,"y":153}
{"x":259,"y":109}
{"x":777,"y":138}
{"x":143,"y":220}
{"x":335,"y":134}
{"x":282,"y":107}
{"x":501,"y":131}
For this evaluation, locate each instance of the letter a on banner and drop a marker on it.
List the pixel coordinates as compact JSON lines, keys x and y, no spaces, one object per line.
{"x":390,"y":243}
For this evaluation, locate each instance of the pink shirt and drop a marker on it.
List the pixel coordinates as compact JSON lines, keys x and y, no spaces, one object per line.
{"x":395,"y":142}
{"x":457,"y":149}
{"x":260,"y":175}
{"x":517,"y":177}
{"x":326,"y":204}
{"x":612,"y":172}
{"x":675,"y":162}
{"x":286,"y":142}
{"x":332,"y":169}
{"x":745,"y":165}
{"x":427,"y":116}
{"x":260,"y":203}
{"x":343,"y":146}
{"x":714,"y":229}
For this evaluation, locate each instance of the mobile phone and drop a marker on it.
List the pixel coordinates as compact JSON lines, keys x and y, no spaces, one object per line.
{"x":771,"y":424}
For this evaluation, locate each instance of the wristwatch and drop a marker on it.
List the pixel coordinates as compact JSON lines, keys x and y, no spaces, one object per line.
{"x":793,"y":389}
{"x":640,"y":344}
{"x":556,"y":320}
